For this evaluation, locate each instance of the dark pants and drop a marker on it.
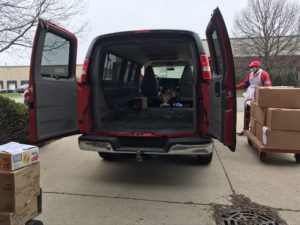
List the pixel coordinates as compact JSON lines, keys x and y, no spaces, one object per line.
{"x":246,"y":117}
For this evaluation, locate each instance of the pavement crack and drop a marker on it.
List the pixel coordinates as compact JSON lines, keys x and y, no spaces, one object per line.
{"x":131,"y":198}
{"x":226,"y":174}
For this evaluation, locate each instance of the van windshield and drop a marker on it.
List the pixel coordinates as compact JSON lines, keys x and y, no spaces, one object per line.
{"x":168,"y":71}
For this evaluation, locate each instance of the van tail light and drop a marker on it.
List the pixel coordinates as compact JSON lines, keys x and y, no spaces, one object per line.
{"x":85,"y":67}
{"x":205,"y":66}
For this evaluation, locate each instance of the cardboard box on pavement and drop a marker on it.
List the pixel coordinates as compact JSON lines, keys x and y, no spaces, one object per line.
{"x":278,"y":97}
{"x":283,"y":119}
{"x":18,"y":187}
{"x":14,"y":156}
{"x":22,"y":216}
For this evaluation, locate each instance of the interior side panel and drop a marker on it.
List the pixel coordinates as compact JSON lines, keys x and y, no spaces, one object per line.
{"x":216,"y":106}
{"x":55,"y":107}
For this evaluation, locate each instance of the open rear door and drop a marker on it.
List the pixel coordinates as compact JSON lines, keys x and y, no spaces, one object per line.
{"x":222,"y":86}
{"x":52,"y":97}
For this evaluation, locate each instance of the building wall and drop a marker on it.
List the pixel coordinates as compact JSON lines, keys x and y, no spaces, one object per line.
{"x":11,"y":77}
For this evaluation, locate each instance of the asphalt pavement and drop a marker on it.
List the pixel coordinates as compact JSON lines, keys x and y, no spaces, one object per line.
{"x":80,"y":188}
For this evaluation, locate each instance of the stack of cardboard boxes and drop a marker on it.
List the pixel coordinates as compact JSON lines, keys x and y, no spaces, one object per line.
{"x":19,"y":183}
{"x":275,"y":117}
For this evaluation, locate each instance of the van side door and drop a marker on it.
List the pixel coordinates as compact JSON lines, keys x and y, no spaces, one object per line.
{"x":222,"y":119}
{"x":52,"y":96}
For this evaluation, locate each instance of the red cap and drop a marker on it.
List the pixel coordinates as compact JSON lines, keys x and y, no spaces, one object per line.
{"x":255,"y":63}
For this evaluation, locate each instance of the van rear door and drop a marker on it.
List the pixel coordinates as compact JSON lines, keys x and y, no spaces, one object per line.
{"x":52,"y":97}
{"x":222,"y":119}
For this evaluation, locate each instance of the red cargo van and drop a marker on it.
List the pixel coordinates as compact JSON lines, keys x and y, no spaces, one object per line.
{"x":140,"y":92}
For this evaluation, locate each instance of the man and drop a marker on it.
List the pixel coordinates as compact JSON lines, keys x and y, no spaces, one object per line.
{"x":256,"y":78}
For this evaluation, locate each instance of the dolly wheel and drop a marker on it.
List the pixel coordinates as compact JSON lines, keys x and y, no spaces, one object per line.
{"x":250,"y":143}
{"x":297,"y":157}
{"x":262,"y":156}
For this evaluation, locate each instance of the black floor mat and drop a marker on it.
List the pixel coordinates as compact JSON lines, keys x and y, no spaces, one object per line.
{"x":153,"y":119}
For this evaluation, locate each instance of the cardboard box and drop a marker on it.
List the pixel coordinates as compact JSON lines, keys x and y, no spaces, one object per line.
{"x":23,"y":215}
{"x":252,"y":126}
{"x":252,"y":109}
{"x":260,"y":113}
{"x":278,"y":97}
{"x":18,"y":187}
{"x":259,"y":131}
{"x":277,"y":139}
{"x":14,"y":156}
{"x":283,"y":119}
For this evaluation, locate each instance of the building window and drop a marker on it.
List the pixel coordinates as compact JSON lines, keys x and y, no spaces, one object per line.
{"x":11,"y":85}
{"x":24,"y":82}
{"x":1,"y":84}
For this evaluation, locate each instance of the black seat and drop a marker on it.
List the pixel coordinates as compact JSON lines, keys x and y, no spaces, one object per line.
{"x":149,"y":87}
{"x":186,"y":85}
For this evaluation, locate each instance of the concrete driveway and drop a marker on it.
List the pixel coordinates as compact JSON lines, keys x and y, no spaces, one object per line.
{"x":80,"y":188}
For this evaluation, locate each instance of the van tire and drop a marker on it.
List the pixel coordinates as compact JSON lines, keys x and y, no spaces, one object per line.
{"x":108,"y":156}
{"x":205,"y":159}
{"x":297,"y":158}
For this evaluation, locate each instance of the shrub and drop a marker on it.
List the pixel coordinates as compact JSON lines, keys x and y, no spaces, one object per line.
{"x":291,"y":80}
{"x":13,"y":121}
{"x":276,"y":81}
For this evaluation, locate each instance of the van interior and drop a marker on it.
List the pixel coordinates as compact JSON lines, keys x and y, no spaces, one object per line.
{"x":144,"y":83}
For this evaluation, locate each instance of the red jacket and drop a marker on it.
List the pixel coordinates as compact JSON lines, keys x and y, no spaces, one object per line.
{"x":265,"y":78}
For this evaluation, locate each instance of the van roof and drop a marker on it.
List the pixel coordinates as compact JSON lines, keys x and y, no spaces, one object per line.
{"x":148,"y":33}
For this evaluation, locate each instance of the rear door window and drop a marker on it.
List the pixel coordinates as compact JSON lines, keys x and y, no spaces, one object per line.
{"x":55,"y":59}
{"x":217,"y":60}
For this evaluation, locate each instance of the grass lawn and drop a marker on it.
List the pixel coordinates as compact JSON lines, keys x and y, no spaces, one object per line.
{"x":8,"y":95}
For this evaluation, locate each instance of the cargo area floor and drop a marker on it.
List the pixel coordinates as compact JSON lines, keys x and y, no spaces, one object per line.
{"x":161,"y":120}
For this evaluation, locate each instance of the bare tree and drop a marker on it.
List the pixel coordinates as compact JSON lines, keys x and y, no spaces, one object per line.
{"x":268,"y":29}
{"x":19,"y":17}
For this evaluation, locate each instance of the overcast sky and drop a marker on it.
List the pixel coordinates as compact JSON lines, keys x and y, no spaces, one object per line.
{"x":107,"y":16}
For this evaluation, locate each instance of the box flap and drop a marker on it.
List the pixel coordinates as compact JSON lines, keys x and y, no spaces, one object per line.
{"x":14,"y":147}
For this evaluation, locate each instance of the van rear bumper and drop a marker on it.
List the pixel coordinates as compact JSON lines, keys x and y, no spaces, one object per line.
{"x":159,"y":146}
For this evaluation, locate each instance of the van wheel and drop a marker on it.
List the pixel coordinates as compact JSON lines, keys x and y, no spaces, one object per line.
{"x":34,"y":222}
{"x":108,"y":156}
{"x":297,"y":157}
{"x":205,"y":159}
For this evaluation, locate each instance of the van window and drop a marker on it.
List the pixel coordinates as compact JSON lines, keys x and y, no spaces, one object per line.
{"x":127,"y":71}
{"x":55,"y":59}
{"x":169,"y":71}
{"x":112,"y":67}
{"x":133,"y":73}
{"x":217,"y":54}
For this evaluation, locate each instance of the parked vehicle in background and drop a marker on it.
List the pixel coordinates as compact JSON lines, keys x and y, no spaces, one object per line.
{"x":117,"y":110}
{"x":22,"y":88}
